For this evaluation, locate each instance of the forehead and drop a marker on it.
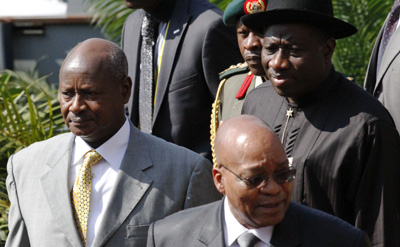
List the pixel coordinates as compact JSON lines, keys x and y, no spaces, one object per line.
{"x":261,"y":154}
{"x":290,"y":32}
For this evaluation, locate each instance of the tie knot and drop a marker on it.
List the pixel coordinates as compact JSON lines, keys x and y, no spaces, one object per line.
{"x":92,"y":157}
{"x":148,"y":26}
{"x":247,"y":239}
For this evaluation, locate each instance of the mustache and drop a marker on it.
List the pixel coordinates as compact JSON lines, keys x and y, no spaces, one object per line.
{"x":250,"y":55}
{"x":276,"y":74}
{"x":77,"y":117}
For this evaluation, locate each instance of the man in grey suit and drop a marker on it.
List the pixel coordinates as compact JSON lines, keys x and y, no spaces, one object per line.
{"x":254,"y":174}
{"x":191,"y":46}
{"x":383,"y":73}
{"x":139,"y":178}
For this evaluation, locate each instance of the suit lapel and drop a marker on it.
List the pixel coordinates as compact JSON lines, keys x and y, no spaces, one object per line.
{"x":176,"y":31}
{"x":134,"y":36}
{"x":130,"y":186}
{"x":287,"y":233}
{"x":392,"y":50}
{"x":55,"y":187}
{"x":211,"y":233}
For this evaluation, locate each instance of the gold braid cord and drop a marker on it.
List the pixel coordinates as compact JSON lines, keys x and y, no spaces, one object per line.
{"x":215,"y":121}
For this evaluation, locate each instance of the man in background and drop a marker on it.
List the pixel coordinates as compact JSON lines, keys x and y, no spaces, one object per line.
{"x":383,"y":73}
{"x":173,"y":91}
{"x":238,"y":80}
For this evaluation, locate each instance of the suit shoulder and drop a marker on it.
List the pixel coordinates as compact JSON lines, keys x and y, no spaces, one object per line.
{"x":327,"y":227}
{"x":48,"y":144}
{"x":185,"y":219}
{"x":240,"y":68}
{"x":360,"y":100}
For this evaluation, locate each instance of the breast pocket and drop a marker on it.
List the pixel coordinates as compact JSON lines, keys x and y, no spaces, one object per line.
{"x":136,"y":235}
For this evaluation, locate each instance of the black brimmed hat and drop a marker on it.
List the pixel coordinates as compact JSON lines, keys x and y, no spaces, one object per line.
{"x":315,"y":12}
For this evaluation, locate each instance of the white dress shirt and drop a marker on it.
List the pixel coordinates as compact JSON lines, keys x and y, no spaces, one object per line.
{"x":104,"y":174}
{"x":233,"y":229}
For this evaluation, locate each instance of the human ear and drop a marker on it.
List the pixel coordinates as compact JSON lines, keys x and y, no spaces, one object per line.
{"x":126,"y":89}
{"x":218,"y":181}
{"x":329,"y":48}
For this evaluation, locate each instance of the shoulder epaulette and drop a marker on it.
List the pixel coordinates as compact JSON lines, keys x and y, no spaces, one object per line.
{"x":233,"y":70}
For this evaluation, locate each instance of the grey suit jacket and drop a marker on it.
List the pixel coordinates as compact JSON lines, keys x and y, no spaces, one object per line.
{"x":198,"y":46}
{"x":384,"y":84}
{"x":156,"y":179}
{"x":301,"y":226}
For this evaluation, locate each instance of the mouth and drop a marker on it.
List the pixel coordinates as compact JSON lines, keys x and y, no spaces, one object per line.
{"x":77,"y":119}
{"x":272,"y":207}
{"x":278,"y":79}
{"x":253,"y":59}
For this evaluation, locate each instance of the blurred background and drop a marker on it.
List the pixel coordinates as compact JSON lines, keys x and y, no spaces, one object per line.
{"x":36,"y":35}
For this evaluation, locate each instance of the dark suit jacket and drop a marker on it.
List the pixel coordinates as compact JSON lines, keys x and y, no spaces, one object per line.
{"x":384,"y":84}
{"x":301,"y":226}
{"x":343,"y":144}
{"x":198,"y":46}
{"x":155,"y":179}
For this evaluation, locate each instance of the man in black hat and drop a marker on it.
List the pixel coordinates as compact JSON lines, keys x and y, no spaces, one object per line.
{"x":341,"y":140}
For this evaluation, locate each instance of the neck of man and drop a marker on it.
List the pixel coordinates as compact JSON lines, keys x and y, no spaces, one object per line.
{"x":163,"y":10}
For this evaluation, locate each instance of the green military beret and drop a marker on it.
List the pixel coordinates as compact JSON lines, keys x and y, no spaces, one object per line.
{"x":239,"y":8}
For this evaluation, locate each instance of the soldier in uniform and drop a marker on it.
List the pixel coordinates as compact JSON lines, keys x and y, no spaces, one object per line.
{"x":238,"y":80}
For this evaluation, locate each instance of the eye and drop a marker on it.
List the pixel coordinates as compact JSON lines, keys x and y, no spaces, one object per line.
{"x":91,"y":95}
{"x":270,"y":49}
{"x":285,"y":176}
{"x":67,"y":94}
{"x":294,"y":51}
{"x":255,"y":181}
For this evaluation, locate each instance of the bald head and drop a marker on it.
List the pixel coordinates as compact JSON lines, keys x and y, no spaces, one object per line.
{"x":241,"y":136}
{"x":253,"y":171}
{"x":94,"y":88}
{"x":97,"y":55}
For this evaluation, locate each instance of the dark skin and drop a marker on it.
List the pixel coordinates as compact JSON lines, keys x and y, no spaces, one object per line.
{"x":250,"y":45}
{"x":296,"y":60}
{"x":249,"y":148}
{"x":147,"y":5}
{"x":92,"y":99}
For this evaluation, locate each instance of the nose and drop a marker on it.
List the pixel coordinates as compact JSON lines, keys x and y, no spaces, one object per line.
{"x":279,"y":60}
{"x":270,"y":187}
{"x":77,"y":104}
{"x":253,"y":42}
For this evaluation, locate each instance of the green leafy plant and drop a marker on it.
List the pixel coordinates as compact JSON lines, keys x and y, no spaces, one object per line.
{"x":352,"y":54}
{"x":29,"y":112}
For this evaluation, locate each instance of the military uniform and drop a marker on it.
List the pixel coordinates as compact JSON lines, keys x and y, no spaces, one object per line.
{"x":236,"y":83}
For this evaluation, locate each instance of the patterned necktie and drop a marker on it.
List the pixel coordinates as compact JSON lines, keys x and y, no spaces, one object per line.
{"x":389,"y":29}
{"x":247,"y":239}
{"x":81,"y":192}
{"x":146,"y":74}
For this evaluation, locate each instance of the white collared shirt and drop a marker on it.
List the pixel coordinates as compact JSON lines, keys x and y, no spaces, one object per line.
{"x":104,"y":174}
{"x":233,"y":229}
